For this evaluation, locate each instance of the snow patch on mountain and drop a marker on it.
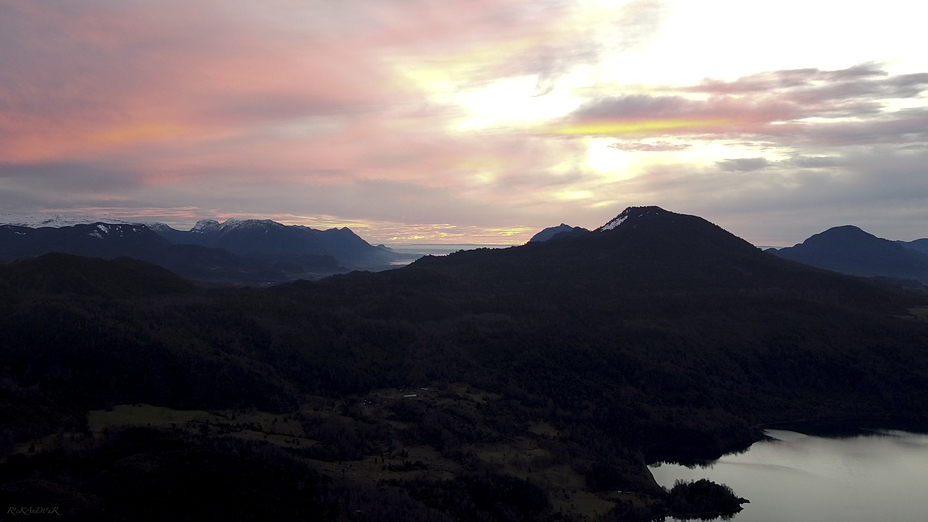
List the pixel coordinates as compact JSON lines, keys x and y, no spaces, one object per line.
{"x":615,"y":222}
{"x":211,"y":225}
{"x":58,"y":220}
{"x":206,"y":225}
{"x":634,"y":213}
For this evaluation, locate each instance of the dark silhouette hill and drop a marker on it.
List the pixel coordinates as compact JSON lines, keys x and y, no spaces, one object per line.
{"x":850,"y":250}
{"x":558,"y":232}
{"x":659,"y":336}
{"x":86,"y":276}
{"x":671,"y":304}
{"x":650,"y":250}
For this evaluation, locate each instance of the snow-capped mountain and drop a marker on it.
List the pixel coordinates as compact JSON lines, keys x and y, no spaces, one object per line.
{"x":112,"y":240}
{"x":107,"y":240}
{"x":264,"y":238}
{"x":633,"y":213}
{"x":641,"y":249}
{"x":58,"y":220}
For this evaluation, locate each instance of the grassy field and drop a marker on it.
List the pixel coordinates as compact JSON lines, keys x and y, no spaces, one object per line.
{"x":400,"y":455}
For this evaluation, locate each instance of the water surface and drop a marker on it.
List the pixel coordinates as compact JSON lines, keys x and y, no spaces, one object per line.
{"x":798,"y":477}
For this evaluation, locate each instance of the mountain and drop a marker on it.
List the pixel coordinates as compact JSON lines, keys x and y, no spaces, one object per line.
{"x":919,"y":245}
{"x":58,"y":220}
{"x":642,"y":249}
{"x":850,"y":250}
{"x":95,"y":240}
{"x":527,"y":383}
{"x":558,"y":232}
{"x":269,"y":239}
{"x":109,"y":241}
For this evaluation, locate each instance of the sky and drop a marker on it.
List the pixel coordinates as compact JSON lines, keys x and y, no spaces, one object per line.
{"x":468,"y":121}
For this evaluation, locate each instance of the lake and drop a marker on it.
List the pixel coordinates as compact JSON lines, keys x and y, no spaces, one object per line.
{"x":796,"y":477}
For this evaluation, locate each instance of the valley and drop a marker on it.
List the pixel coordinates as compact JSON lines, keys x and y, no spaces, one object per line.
{"x":528,"y":383}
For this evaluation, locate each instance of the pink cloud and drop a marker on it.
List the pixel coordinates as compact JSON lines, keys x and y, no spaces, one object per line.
{"x":86,"y":80}
{"x":220,"y":108}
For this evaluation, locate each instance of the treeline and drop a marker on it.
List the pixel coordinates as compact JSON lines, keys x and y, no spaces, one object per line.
{"x":627,"y":373}
{"x":674,"y":375}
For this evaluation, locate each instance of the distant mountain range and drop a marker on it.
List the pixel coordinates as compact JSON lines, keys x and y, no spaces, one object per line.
{"x":256,"y":251}
{"x":237,"y":251}
{"x":511,"y":383}
{"x":59,"y":220}
{"x":850,"y":250}
{"x":270,"y":239}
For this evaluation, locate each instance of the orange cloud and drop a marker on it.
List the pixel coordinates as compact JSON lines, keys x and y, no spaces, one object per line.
{"x":642,"y":127}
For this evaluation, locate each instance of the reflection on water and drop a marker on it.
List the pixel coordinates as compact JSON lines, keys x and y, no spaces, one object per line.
{"x":800,"y":477}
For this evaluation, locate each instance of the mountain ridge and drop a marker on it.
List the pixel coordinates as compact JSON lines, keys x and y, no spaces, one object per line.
{"x":547,"y":374}
{"x":236,"y":251}
{"x":267,"y":238}
{"x":138,"y":241}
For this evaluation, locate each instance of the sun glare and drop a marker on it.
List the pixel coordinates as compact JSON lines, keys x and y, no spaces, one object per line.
{"x":603,"y":158}
{"x":513,"y":101}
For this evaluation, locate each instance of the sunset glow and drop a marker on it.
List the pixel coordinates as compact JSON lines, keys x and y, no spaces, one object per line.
{"x":468,"y":121}
{"x":619,"y":128}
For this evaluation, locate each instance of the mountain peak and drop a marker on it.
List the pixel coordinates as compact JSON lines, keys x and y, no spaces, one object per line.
{"x":561,"y":231}
{"x":633,"y":213}
{"x":850,"y":250}
{"x":249,"y":223}
{"x":845,"y":235}
{"x":205,"y":225}
{"x":211,"y":225}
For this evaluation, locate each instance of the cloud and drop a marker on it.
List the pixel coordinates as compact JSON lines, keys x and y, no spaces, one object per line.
{"x":779,"y":105}
{"x":655,"y":146}
{"x":788,"y":79}
{"x":743,"y":164}
{"x":353,"y":110}
{"x":68,"y":179}
{"x":816,"y":162}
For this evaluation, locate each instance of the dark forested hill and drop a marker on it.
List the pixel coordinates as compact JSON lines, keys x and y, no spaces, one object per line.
{"x":650,"y":250}
{"x":850,"y":250}
{"x":546,"y":373}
